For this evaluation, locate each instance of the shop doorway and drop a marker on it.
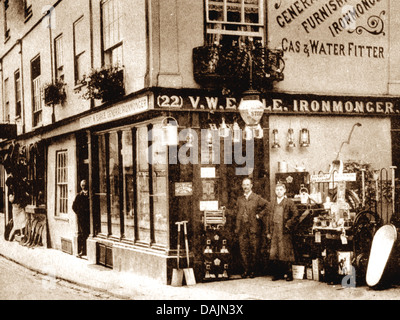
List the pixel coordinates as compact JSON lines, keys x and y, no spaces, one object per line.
{"x":82,"y":156}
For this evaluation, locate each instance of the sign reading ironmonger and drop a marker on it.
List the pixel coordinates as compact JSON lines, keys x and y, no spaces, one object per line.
{"x":286,"y":103}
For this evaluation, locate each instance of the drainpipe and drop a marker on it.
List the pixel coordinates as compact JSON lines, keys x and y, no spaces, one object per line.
{"x":48,"y":13}
{"x":2,"y":91}
{"x":91,"y":43}
{"x":21,"y":68}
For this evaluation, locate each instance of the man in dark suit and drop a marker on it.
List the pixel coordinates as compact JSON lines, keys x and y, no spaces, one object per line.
{"x":251,"y":209}
{"x":81,"y":208}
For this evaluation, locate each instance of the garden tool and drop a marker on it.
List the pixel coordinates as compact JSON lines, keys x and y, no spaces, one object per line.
{"x":189,"y":273}
{"x":177,"y":273}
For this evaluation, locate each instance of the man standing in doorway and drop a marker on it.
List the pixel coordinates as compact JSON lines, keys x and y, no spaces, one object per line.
{"x":81,"y":208}
{"x":251,"y":209}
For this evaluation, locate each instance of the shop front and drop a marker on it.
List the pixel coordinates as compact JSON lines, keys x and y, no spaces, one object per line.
{"x":142,"y":184}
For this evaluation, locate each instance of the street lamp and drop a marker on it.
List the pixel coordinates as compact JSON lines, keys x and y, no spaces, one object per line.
{"x":169,"y":132}
{"x":250,"y":107}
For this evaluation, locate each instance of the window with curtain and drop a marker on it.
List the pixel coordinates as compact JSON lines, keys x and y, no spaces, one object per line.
{"x":234,"y":20}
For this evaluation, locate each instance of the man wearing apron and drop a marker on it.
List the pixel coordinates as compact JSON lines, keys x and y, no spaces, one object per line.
{"x":280,"y":224}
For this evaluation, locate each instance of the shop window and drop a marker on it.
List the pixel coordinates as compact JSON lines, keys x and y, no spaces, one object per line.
{"x":159,"y":177}
{"x":234,"y":20}
{"x":36,"y":91}
{"x":36,"y":173}
{"x":59,"y":57}
{"x":143,"y":185}
{"x":128,"y":176}
{"x":152,"y":182}
{"x":18,"y":96}
{"x":114,"y":178}
{"x":112,"y":32}
{"x":62,"y":182}
{"x":102,"y":192}
{"x":132,"y":185}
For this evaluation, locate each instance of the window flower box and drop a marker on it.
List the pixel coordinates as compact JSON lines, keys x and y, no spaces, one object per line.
{"x":105,"y":84}
{"x":228,"y":66}
{"x":54,"y":93}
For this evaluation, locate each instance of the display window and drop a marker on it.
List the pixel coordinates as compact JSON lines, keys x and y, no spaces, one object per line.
{"x":131,"y":188}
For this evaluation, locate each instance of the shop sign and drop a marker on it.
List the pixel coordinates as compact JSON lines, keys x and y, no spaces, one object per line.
{"x":327,"y":177}
{"x":183,"y":189}
{"x":281,"y":103}
{"x":116,"y":112}
{"x":207,"y":172}
{"x":332,"y":44}
{"x":208,"y":205}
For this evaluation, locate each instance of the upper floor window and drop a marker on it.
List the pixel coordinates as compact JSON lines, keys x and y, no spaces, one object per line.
{"x":28,"y":9}
{"x":36,"y":91}
{"x":6,"y":100}
{"x":6,"y":28}
{"x":59,"y":57}
{"x":112,"y":32}
{"x":234,"y":20}
{"x":80,"y":55}
{"x":18,"y":96}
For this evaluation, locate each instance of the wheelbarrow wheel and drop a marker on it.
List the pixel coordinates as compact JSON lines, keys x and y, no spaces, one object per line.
{"x":366,"y":223}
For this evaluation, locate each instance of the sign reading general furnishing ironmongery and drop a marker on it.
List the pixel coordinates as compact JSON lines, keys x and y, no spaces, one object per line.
{"x":332,"y":45}
{"x":116,"y":112}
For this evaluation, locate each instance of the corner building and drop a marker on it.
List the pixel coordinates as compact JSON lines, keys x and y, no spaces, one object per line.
{"x":320,"y":66}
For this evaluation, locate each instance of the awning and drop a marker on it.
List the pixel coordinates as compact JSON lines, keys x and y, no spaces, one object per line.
{"x":8,"y":131}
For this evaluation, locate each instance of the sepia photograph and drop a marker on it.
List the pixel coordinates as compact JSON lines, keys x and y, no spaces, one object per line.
{"x":199,"y":156}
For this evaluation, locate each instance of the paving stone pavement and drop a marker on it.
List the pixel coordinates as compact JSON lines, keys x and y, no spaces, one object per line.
{"x":60,"y":265}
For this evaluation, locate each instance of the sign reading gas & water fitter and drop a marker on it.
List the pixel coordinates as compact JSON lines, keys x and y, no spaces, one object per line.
{"x":337,"y":45}
{"x":277,"y":103}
